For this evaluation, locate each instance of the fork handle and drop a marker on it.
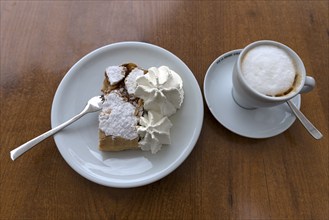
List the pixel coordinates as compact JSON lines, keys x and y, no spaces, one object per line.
{"x":28,"y":145}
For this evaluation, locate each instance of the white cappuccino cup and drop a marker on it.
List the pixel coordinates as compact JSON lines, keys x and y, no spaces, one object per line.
{"x":268,"y":73}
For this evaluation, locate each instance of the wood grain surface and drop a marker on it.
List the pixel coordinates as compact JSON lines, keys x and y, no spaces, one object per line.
{"x":226,"y":176}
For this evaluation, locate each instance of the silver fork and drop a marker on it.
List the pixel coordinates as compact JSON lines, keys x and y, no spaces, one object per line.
{"x":94,"y":104}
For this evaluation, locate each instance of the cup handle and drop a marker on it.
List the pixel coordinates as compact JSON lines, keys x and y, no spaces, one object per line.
{"x":309,"y":84}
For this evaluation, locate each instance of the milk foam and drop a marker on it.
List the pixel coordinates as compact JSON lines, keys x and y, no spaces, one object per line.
{"x":269,"y":70}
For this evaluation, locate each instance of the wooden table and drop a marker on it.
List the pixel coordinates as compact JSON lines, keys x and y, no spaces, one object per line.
{"x":226,"y":176}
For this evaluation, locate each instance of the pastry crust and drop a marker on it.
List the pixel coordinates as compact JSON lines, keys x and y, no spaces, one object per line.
{"x":108,"y":143}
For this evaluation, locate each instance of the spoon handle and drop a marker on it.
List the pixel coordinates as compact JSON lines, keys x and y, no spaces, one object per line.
{"x":28,"y":145}
{"x":305,"y":122}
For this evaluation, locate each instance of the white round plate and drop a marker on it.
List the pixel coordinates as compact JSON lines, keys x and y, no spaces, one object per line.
{"x":78,"y":143}
{"x":256,"y":123}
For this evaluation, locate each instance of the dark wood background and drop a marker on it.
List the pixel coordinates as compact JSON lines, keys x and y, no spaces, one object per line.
{"x":226,"y":176}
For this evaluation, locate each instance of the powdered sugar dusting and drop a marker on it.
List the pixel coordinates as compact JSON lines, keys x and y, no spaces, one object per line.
{"x":117,"y":117}
{"x":115,"y":74}
{"x":130,"y":80}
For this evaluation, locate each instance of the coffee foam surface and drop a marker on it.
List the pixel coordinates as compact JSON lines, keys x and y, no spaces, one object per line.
{"x":269,"y":70}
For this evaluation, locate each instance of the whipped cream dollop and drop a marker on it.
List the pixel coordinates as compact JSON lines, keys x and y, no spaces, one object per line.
{"x":154,"y":130}
{"x":118,"y":117}
{"x":161,"y":89}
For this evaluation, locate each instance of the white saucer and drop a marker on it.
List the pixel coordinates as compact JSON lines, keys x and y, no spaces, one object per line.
{"x":256,"y":123}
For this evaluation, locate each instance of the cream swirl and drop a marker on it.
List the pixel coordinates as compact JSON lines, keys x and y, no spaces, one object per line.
{"x":154,"y":130}
{"x":161,"y":89}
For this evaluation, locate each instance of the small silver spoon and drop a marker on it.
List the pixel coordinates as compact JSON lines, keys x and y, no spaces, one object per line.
{"x":305,"y":122}
{"x":93,"y":105}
